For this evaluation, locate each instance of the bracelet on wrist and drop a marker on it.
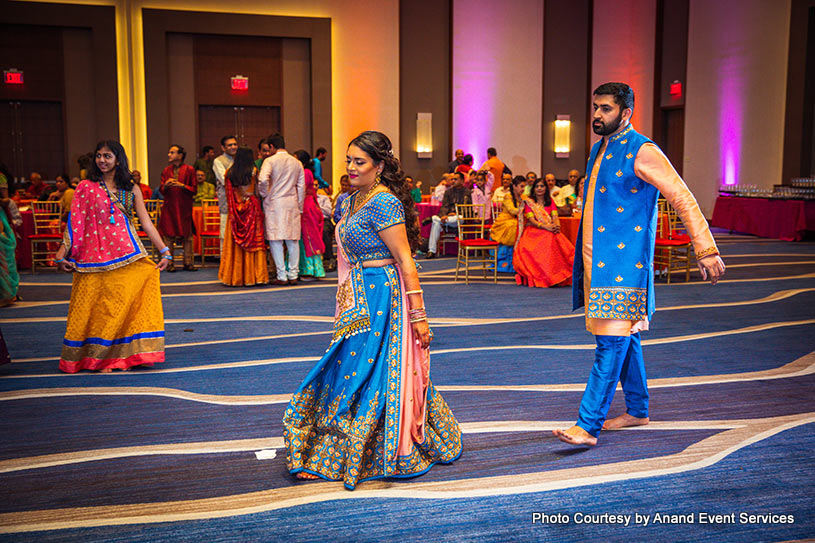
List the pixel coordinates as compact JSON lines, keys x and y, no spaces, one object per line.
{"x":59,"y":260}
{"x":165,"y":250}
{"x":167,"y":257}
{"x":414,"y":291}
{"x":412,"y":321}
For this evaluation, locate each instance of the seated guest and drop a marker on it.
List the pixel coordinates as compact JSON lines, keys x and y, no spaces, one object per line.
{"x":205,"y":163}
{"x":179,"y":185}
{"x":437,"y":194}
{"x":243,"y":260}
{"x":531,"y":177}
{"x":345,"y":192}
{"x":480,"y":193}
{"x":500,"y":192}
{"x":456,"y":194}
{"x":64,"y":194}
{"x":205,"y":190}
{"x":466,"y":165}
{"x":35,"y":186}
{"x":577,"y":205}
{"x":557,"y":195}
{"x":75,"y":182}
{"x":505,"y":227}
{"x":543,"y":257}
{"x":311,"y":223}
{"x":567,"y":194}
{"x":415,"y":189}
{"x":146,"y":191}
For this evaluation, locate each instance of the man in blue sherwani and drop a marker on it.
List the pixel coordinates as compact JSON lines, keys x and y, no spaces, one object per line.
{"x":613,"y":264}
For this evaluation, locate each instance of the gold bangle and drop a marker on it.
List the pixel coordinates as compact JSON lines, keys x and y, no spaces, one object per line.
{"x":414,"y":291}
{"x":418,"y":320}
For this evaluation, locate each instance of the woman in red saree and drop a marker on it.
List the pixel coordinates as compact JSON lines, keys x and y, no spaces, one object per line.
{"x":543,"y":257}
{"x":243,"y":260}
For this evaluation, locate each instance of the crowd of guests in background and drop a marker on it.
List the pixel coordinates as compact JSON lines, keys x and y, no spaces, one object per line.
{"x":270,"y":199}
{"x":523,"y":212}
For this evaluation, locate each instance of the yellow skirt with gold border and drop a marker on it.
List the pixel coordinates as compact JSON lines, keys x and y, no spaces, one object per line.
{"x":115,"y":319}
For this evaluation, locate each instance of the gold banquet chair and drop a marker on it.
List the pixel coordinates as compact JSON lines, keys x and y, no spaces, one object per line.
{"x":473,"y":247}
{"x":154,"y":210}
{"x":672,"y":249}
{"x":46,"y":233}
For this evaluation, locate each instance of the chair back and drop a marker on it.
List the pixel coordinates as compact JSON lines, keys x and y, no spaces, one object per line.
{"x":46,"y":216}
{"x":497,"y":207}
{"x":669,"y":226}
{"x":210,"y":215}
{"x":471,"y":220}
{"x":153,"y":209}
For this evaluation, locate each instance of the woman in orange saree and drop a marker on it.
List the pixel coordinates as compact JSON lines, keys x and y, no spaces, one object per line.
{"x":543,"y":256}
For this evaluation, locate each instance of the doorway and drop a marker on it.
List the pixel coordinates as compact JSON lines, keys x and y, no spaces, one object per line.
{"x":32,"y":138}
{"x":247,"y":123}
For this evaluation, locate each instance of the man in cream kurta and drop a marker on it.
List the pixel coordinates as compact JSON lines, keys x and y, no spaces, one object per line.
{"x":614,"y":265}
{"x":282,"y":185}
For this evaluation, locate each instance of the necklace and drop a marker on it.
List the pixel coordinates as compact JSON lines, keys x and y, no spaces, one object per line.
{"x":110,"y":198}
{"x":368,"y":196}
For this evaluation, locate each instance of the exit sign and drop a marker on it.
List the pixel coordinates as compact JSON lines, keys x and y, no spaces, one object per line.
{"x":13,"y":77}
{"x":239,"y":83}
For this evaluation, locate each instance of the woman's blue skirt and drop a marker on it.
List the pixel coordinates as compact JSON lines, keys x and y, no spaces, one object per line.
{"x":343,"y":421}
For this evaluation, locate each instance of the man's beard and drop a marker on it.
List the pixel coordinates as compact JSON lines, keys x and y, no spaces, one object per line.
{"x":605,"y":130}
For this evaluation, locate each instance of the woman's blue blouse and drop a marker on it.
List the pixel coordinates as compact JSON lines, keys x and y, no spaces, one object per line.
{"x":360,"y":232}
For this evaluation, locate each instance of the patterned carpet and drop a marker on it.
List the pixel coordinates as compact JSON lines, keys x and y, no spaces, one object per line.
{"x":169,"y":454}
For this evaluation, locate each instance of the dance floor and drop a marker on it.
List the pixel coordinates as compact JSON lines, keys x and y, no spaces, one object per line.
{"x":191,"y":450}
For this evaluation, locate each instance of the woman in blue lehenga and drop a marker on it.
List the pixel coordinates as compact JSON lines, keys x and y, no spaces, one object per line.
{"x":368,"y":410}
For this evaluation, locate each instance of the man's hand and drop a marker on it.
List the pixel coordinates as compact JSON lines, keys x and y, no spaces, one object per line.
{"x":711,"y":267}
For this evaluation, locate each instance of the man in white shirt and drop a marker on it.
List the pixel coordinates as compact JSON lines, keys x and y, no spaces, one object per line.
{"x":438,"y":191}
{"x":229,"y":146}
{"x":282,"y":185}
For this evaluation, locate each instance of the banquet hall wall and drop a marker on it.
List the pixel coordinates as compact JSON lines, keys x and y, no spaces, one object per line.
{"x":494,"y":62}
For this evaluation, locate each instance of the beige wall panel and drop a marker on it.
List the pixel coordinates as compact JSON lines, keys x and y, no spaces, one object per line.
{"x":736,"y":93}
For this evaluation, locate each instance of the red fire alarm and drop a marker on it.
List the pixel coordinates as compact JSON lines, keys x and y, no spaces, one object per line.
{"x":13,"y":77}
{"x":240,"y":83}
{"x":675,"y":89}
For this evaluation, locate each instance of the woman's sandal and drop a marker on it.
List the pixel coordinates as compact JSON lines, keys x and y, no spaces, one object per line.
{"x":307,"y":476}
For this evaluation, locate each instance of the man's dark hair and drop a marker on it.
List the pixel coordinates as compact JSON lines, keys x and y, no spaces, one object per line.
{"x":227,"y":138}
{"x":206,"y":149}
{"x":261,"y":142}
{"x":492,"y":152}
{"x":276,"y":141}
{"x":622,"y":93}
{"x":320,"y":150}
{"x":180,"y":150}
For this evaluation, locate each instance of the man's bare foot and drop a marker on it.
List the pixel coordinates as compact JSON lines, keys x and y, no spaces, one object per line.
{"x":307,"y":476}
{"x":624,"y":421}
{"x":575,"y":436}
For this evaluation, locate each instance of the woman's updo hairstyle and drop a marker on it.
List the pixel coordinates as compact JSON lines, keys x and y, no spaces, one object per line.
{"x":377,"y":146}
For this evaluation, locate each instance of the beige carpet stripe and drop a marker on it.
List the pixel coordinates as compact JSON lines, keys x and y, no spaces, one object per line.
{"x":204,"y":447}
{"x":23,"y":305}
{"x":697,"y":456}
{"x":567,"y":347}
{"x":798,"y":368}
{"x":244,"y":445}
{"x":438,"y":321}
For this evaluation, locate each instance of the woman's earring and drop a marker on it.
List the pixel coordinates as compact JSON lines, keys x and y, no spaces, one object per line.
{"x":378,"y":177}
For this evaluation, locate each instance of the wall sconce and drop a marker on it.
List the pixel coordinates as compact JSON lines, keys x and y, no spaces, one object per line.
{"x":424,"y":135}
{"x":563,"y":131}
